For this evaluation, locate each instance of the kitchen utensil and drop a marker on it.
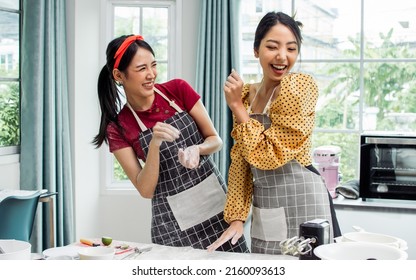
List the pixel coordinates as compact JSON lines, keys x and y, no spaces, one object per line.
{"x":96,"y":253}
{"x":88,"y":242}
{"x":66,"y":258}
{"x":15,"y":249}
{"x":55,"y":252}
{"x":318,"y":231}
{"x":136,"y":252}
{"x":360,"y":235}
{"x":327,"y":160}
{"x":358,"y":251}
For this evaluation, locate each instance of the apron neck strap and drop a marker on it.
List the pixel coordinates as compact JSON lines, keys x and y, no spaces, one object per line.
{"x":171,"y":103}
{"x":266,"y":108}
{"x":139,"y":121}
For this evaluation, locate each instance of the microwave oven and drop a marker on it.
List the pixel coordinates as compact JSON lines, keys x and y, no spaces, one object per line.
{"x":388,"y":166}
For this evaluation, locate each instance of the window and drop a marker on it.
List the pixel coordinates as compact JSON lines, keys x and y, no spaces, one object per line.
{"x":157,"y":22}
{"x":9,"y":76}
{"x":362,"y":55}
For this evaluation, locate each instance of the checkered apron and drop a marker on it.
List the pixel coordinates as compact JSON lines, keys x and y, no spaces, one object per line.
{"x":283,"y":199}
{"x":187,"y":206}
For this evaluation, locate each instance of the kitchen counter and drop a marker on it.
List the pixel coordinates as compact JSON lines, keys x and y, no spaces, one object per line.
{"x":160,"y":252}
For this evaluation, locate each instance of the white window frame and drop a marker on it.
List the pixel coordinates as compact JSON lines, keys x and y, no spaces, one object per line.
{"x":108,"y":184}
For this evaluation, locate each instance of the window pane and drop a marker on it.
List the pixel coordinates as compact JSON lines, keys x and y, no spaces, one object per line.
{"x":9,"y":45}
{"x":155,"y":30}
{"x":9,"y":114}
{"x":349,"y":144}
{"x":251,"y":13}
{"x":253,"y":10}
{"x":150,"y":22}
{"x":126,"y":21}
{"x":10,"y":4}
{"x":331,"y":29}
{"x":339,"y":93}
{"x":390,"y":29}
{"x":118,"y":173}
{"x":162,"y":71}
{"x":390,"y":93}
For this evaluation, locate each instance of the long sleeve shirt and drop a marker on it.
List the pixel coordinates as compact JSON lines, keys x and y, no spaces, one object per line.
{"x":292,"y":117}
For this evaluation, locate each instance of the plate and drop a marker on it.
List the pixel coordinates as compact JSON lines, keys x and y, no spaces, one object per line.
{"x":71,"y":251}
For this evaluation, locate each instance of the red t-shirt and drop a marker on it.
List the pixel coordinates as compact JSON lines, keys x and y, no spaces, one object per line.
{"x":177,"y":90}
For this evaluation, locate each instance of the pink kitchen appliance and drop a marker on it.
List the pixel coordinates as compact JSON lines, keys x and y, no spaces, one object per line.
{"x":327,"y":160}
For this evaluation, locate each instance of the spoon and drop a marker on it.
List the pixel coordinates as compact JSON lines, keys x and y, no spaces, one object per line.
{"x":136,"y":252}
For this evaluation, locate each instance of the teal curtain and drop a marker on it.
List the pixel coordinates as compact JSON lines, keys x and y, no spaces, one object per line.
{"x":45,"y":156}
{"x":218,"y":53}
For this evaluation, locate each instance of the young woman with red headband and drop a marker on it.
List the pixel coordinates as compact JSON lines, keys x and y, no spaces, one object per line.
{"x":166,"y":126}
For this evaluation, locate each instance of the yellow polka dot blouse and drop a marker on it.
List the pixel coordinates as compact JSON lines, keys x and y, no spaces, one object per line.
{"x":292,"y":117}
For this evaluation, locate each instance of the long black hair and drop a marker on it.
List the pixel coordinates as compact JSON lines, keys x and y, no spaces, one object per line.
{"x":108,"y":93}
{"x":271,"y":19}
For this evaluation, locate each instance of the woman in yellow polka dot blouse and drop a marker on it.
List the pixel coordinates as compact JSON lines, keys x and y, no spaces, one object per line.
{"x":271,"y":167}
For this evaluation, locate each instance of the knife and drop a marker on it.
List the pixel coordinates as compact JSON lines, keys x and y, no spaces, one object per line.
{"x":88,"y":242}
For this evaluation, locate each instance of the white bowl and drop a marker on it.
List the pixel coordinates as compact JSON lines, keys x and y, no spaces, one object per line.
{"x":363,"y":236}
{"x":96,"y":253}
{"x":56,"y":252}
{"x":60,"y":258}
{"x":15,"y":249}
{"x":358,"y":251}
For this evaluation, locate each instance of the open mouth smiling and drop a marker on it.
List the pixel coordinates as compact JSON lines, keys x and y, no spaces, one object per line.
{"x":279,"y":67}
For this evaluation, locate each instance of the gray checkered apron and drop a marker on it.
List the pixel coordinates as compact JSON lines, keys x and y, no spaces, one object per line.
{"x":283,"y":199}
{"x":187,"y":206}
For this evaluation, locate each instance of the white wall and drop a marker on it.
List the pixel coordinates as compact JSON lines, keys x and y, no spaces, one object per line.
{"x":9,"y":172}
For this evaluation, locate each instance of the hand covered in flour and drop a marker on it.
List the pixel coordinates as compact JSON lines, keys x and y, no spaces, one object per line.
{"x":189,"y":157}
{"x":233,"y":232}
{"x":164,"y":132}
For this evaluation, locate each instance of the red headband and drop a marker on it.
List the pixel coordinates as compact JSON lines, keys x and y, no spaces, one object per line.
{"x":122,"y":49}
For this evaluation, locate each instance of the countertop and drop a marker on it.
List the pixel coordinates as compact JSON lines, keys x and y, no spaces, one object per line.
{"x":160,"y":252}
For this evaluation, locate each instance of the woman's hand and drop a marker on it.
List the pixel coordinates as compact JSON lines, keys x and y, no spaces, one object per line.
{"x":233,"y":232}
{"x":164,"y":132}
{"x":189,"y":157}
{"x":233,"y":88}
